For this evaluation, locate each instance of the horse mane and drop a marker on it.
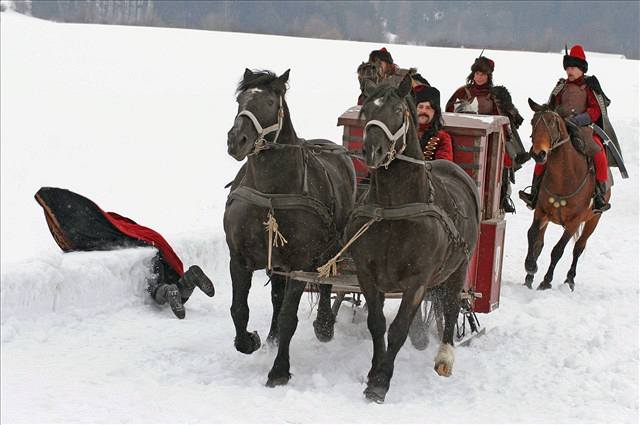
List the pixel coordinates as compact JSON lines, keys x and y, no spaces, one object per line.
{"x":260,"y":78}
{"x":388,"y":92}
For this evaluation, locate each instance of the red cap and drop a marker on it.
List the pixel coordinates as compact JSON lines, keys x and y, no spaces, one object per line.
{"x":578,"y":52}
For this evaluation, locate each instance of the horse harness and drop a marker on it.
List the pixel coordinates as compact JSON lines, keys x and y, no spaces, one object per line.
{"x":287,"y":201}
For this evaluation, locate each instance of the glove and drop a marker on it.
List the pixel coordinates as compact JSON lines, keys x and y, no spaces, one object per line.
{"x":580,"y":120}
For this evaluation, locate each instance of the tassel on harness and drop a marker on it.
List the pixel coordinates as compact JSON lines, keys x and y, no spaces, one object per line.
{"x":271,"y":226}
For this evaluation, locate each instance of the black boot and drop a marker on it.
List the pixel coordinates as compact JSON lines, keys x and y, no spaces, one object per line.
{"x":600,"y":205}
{"x":170,"y":293}
{"x":505,"y":193}
{"x":196,"y":277}
{"x":532,"y":199}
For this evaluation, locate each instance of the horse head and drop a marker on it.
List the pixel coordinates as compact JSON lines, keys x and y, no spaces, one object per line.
{"x":389,"y":113}
{"x":261,"y":112}
{"x":548,"y":131}
{"x":370,"y":74}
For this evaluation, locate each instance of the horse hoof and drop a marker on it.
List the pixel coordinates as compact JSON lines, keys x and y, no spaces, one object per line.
{"x":528,"y":281}
{"x":249,"y":344}
{"x":278,"y":381}
{"x":444,"y":360}
{"x":571,"y":284}
{"x":443,"y":369}
{"x":544,"y":285}
{"x":375,"y":394}
{"x":323,"y":331}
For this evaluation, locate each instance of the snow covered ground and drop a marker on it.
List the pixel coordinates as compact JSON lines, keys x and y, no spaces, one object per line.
{"x":136,"y":119}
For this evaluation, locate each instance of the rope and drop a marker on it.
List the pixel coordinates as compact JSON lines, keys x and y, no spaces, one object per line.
{"x":271,"y":226}
{"x":331,"y":267}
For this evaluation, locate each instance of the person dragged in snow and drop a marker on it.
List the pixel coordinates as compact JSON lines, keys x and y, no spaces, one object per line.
{"x":435,"y":142}
{"x":78,"y":224}
{"x":580,"y":100}
{"x":480,"y":96}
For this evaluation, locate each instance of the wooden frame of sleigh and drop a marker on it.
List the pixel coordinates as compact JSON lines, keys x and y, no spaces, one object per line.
{"x":478,"y":147}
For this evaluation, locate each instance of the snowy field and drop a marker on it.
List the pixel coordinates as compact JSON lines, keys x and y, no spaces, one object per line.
{"x":136,"y":119}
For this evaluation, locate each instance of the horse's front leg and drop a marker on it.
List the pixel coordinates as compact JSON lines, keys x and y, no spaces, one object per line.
{"x":535,"y":236}
{"x":244,"y":342}
{"x":450,"y":295}
{"x":589,"y":227}
{"x":398,"y":331}
{"x":377,"y":385}
{"x":323,"y":325}
{"x":556,"y":254}
{"x":287,"y":324}
{"x":277,"y":296}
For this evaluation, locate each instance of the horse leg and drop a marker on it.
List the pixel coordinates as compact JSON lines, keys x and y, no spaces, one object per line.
{"x":287,"y":324}
{"x":277,"y":295}
{"x":556,"y":254}
{"x":323,"y":325}
{"x":443,"y":363}
{"x":535,"y":236}
{"x":589,"y":227}
{"x":244,"y":342}
{"x":377,"y":327}
{"x":378,"y":384}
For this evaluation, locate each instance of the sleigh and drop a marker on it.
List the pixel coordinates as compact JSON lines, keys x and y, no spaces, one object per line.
{"x":478,"y":148}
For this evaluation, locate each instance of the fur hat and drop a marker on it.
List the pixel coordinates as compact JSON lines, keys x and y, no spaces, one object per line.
{"x":576,"y":57}
{"x":382,"y":55}
{"x":429,"y":94}
{"x":483,"y":64}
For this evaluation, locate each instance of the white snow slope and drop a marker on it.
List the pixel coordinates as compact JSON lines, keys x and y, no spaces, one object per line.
{"x":136,"y":119}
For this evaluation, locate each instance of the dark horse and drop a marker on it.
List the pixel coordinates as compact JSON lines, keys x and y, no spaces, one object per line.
{"x":424,"y":220}
{"x":303,"y":191}
{"x":565,"y":194}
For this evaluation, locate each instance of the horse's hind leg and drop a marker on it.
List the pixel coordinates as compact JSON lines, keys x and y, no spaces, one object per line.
{"x":277,"y":296}
{"x":323,"y":325}
{"x":579,"y":246}
{"x":245,"y":342}
{"x":379,"y":382}
{"x":535,"y":236}
{"x":287,"y":324}
{"x":556,"y":254}
{"x":443,"y":363}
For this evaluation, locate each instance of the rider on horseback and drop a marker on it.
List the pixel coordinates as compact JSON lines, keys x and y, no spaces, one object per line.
{"x":581,"y":98}
{"x":435,"y":142}
{"x":493,"y":100}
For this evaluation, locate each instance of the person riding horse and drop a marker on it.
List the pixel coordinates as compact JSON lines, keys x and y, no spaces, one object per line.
{"x":435,"y":142}
{"x":493,"y":100}
{"x":581,"y":99}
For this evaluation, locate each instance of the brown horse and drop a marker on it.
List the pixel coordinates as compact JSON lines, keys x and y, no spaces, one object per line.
{"x":565,"y":195}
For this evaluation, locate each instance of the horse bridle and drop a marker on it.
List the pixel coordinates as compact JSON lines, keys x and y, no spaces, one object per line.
{"x":557,"y":139}
{"x":392,"y":153}
{"x":261,"y":142}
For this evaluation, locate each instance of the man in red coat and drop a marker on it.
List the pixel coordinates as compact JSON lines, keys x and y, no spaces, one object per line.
{"x":435,"y":142}
{"x":578,"y":96}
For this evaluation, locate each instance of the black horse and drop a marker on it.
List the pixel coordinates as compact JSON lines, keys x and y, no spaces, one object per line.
{"x":302,"y":191}
{"x":424,"y":220}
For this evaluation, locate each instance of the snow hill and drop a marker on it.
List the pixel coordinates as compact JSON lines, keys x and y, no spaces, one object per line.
{"x":136,"y":119}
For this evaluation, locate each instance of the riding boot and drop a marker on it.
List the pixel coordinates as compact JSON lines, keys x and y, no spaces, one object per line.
{"x":505,"y":193}
{"x":600,"y":205}
{"x":532,"y":198}
{"x":196,"y":277}
{"x":170,"y":293}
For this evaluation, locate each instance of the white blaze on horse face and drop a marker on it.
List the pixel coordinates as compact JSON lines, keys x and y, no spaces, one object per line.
{"x":378,"y":102}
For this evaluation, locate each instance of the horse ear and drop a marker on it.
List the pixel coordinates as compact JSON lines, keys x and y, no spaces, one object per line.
{"x":534,"y":106}
{"x":405,"y":86}
{"x":247,"y":73}
{"x":284,"y":77}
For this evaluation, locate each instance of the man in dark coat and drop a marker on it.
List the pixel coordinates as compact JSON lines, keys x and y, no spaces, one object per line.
{"x":581,"y":99}
{"x":493,"y":100}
